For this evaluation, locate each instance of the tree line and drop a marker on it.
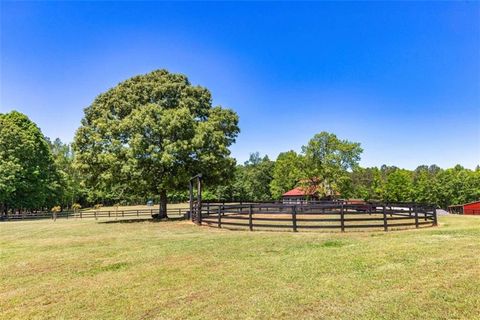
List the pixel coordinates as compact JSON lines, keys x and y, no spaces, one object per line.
{"x":143,"y":139}
{"x":264,"y":179}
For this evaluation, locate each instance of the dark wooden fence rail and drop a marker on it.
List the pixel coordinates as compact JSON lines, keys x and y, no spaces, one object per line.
{"x":319,"y":215}
{"x":95,"y":214}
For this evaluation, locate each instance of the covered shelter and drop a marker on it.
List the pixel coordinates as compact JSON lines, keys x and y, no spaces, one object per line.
{"x":471,"y":208}
{"x":299,"y":195}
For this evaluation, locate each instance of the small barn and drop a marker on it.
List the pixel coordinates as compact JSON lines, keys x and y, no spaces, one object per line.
{"x":299,"y":195}
{"x":472,"y":208}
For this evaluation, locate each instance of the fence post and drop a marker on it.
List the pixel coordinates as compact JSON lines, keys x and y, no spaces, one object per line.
{"x":416,"y":216}
{"x":123,"y":213}
{"x":95,"y":214}
{"x":435,"y":216}
{"x":80,"y":214}
{"x":250,"y":224}
{"x":425,"y":211}
{"x":342,"y":218}
{"x":294,"y":218}
{"x":220,"y":217}
{"x":385,"y":225}
{"x":199,"y":215}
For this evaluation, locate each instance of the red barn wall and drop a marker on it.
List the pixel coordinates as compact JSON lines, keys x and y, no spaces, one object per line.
{"x":472,"y":208}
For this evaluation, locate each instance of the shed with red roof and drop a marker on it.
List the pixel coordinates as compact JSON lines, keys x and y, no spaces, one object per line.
{"x":299,"y":195}
{"x":472,"y":208}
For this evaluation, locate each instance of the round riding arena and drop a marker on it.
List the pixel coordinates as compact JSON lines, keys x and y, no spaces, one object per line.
{"x":326,"y":215}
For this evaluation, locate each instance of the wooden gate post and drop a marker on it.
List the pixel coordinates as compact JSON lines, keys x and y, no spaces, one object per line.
{"x":294,"y":218}
{"x":385,"y":225}
{"x":342,"y":218}
{"x":190,"y":214}
{"x":435,"y":216}
{"x":219,"y":217}
{"x":416,"y":216}
{"x":250,"y":224}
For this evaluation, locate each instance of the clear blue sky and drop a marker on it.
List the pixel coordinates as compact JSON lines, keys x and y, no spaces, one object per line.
{"x":401,"y":78}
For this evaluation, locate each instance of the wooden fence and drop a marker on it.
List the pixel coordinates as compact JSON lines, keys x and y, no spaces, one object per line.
{"x":93,"y":214}
{"x":319,"y":215}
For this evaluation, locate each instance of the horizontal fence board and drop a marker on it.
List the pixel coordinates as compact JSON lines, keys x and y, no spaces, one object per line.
{"x":362,"y":219}
{"x":300,"y":219}
{"x":401,"y":224}
{"x":354,"y":226}
{"x":336,"y":215}
{"x":257,"y":225}
{"x":326,"y":226}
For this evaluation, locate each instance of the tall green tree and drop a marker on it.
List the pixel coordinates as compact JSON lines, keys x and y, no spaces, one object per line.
{"x":63,"y":156}
{"x":287,"y":173}
{"x":150,"y":134}
{"x":366,"y":183}
{"x":28,"y":176}
{"x":457,"y":185}
{"x":327,"y":160}
{"x":257,"y":176}
{"x":398,"y":186}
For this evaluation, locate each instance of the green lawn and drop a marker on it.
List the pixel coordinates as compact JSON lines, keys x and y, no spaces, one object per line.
{"x":87,"y":269}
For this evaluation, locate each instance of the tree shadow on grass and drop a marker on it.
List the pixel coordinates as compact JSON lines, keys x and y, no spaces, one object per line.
{"x":151,"y":220}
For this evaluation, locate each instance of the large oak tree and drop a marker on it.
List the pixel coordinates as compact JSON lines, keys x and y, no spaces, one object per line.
{"x":150,"y":134}
{"x":327,"y":160}
{"x":28,"y":176}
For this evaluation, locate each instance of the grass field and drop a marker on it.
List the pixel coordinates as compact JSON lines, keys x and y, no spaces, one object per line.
{"x":86,"y":269}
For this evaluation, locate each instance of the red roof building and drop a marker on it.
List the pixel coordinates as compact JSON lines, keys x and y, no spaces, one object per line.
{"x":299,"y":195}
{"x":298,"y":192}
{"x":472,"y":208}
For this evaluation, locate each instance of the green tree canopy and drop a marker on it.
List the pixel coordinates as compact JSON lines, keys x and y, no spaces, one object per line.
{"x":399,"y":186}
{"x":28,"y":176}
{"x":327,"y":160}
{"x":63,"y":156}
{"x":150,"y":134}
{"x":287,"y":172}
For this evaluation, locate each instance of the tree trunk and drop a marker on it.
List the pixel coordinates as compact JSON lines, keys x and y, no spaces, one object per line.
{"x":162,"y":212}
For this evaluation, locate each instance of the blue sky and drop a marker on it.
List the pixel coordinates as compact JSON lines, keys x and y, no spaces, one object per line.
{"x":401,"y":78}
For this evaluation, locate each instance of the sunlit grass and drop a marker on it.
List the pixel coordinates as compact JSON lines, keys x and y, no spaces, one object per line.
{"x":86,"y":269}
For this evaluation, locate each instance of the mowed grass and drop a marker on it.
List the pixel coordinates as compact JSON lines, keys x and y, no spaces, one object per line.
{"x":86,"y":269}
